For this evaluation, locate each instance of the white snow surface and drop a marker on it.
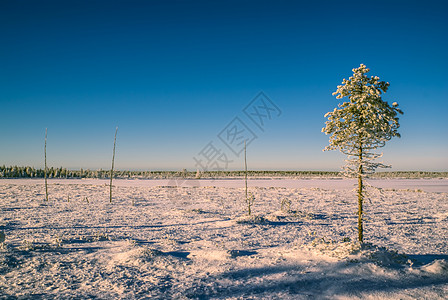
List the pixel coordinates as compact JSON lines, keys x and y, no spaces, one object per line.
{"x":165,"y":239}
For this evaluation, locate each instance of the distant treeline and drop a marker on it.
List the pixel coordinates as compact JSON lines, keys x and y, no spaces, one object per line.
{"x":31,"y":172}
{"x":410,"y":174}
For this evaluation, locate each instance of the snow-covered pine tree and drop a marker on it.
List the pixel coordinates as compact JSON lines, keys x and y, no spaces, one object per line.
{"x":361,"y":125}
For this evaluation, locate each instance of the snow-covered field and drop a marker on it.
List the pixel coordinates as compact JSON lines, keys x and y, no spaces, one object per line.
{"x":159,"y":240}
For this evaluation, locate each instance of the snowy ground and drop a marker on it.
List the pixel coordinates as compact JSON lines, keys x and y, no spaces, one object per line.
{"x":194,"y":241}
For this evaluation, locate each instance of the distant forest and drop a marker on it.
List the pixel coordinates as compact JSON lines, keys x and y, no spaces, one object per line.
{"x":31,"y":172}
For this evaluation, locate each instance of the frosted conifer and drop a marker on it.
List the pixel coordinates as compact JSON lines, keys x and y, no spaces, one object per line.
{"x":361,"y":125}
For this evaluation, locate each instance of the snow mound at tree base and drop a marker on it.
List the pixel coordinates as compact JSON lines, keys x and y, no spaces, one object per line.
{"x":251,"y":219}
{"x":360,"y":252}
{"x":439,"y":267}
{"x":131,"y":254}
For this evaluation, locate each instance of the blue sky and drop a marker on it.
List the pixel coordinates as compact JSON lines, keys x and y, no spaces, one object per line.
{"x":173,"y":74}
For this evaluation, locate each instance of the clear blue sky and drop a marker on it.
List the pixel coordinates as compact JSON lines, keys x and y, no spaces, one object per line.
{"x":173,"y":74}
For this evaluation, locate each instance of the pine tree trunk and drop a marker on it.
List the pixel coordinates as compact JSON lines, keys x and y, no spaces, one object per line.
{"x":360,"y":186}
{"x":360,"y":198}
{"x":360,"y":212}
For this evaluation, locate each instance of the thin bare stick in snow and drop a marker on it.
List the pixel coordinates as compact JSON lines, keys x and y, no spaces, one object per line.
{"x":113,"y":161}
{"x":45,"y":171}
